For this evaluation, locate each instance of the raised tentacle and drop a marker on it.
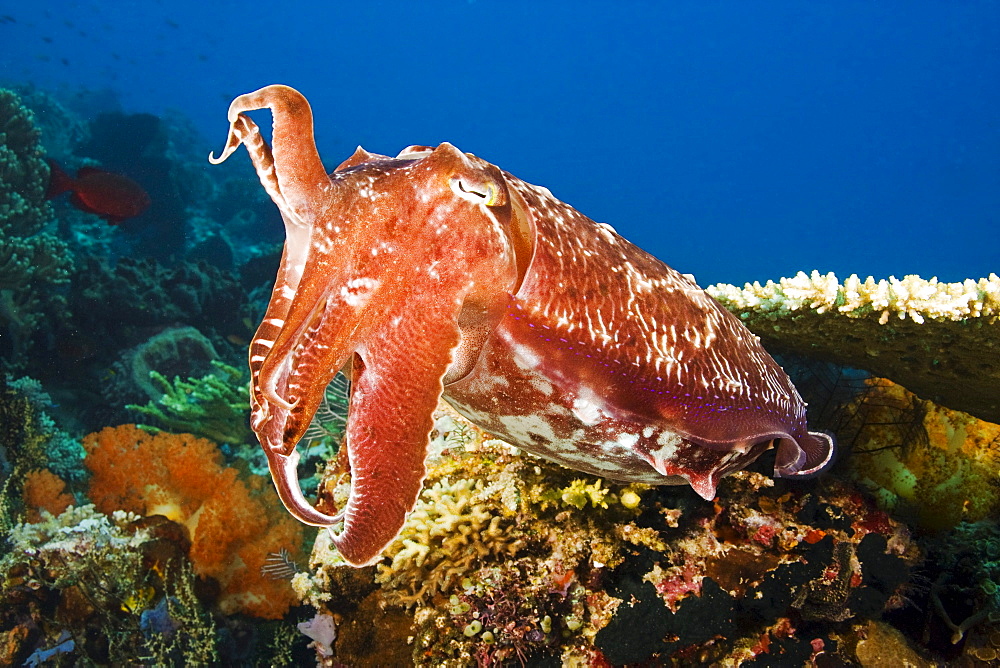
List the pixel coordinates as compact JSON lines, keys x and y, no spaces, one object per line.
{"x":296,"y":167}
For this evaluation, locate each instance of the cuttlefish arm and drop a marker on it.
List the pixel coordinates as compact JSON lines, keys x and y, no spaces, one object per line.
{"x":396,"y":265}
{"x":293,"y":201}
{"x":393,"y":397}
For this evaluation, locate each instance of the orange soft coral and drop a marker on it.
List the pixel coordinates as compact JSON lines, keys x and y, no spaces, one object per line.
{"x":44,"y":490}
{"x":232,"y":528}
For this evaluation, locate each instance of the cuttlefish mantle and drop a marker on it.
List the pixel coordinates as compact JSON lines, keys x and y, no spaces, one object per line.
{"x":435,"y":274}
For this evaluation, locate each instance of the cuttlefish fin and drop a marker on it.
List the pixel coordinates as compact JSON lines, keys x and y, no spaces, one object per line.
{"x":397,"y":381}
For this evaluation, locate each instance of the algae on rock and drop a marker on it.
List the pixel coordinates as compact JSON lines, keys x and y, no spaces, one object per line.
{"x":933,"y":465}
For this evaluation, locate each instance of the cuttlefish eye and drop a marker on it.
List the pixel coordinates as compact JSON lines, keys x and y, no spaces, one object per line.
{"x":478,"y":192}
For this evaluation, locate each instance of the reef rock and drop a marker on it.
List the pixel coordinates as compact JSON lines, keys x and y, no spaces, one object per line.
{"x":939,"y":340}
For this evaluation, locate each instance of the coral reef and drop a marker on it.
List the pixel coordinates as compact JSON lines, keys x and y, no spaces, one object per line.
{"x":96,"y":579}
{"x":140,"y":294}
{"x":25,"y":432}
{"x":764,"y":575}
{"x":446,"y":534}
{"x":189,"y":559}
{"x":479,"y":538}
{"x":62,"y":131}
{"x":171,"y":353}
{"x":927,"y":463}
{"x":137,"y":146}
{"x":115,"y":308}
{"x":507,"y":558}
{"x":940,"y":340}
{"x":879,"y":644}
{"x":62,"y":452}
{"x":24,"y":177}
{"x":966,"y":591}
{"x":234,"y":524}
{"x":32,"y":261}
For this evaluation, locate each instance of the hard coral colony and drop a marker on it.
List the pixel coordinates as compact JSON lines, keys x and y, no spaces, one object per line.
{"x":32,"y":260}
{"x":435,"y":274}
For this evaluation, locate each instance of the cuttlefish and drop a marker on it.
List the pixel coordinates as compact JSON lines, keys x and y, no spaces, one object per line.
{"x":435,"y":274}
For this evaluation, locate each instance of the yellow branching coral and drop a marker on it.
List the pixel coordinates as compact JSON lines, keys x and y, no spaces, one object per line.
{"x":580,"y":492}
{"x":941,"y":466}
{"x":445,"y":535}
{"x":940,"y":340}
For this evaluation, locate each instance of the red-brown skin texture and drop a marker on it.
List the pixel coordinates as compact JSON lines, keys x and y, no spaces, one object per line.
{"x":435,"y":274}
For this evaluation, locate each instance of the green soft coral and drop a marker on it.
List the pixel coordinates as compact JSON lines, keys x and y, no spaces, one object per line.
{"x":579,"y":492}
{"x":31,"y":260}
{"x":214,"y":406}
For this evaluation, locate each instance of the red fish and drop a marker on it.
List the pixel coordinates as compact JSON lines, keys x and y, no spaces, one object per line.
{"x":111,"y":196}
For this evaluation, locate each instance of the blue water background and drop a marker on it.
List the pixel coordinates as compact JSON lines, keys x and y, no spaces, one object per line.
{"x":734,"y":140}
